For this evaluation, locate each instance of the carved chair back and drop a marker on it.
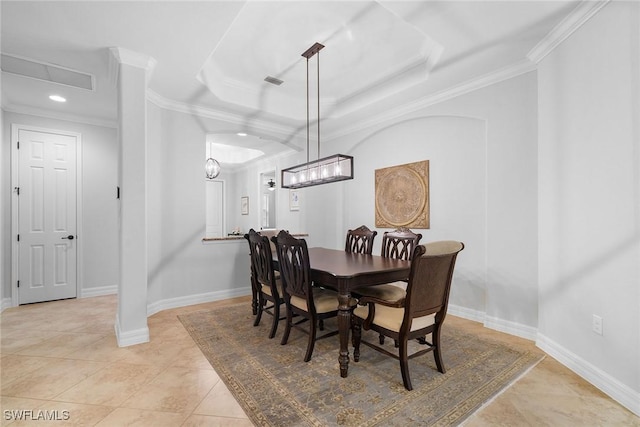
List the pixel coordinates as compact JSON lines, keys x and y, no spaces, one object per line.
{"x":262,"y":260}
{"x":294,"y":266}
{"x":360,"y":240}
{"x":400,"y":243}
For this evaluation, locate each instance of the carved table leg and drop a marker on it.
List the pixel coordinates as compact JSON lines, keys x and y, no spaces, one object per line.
{"x":344,"y":325}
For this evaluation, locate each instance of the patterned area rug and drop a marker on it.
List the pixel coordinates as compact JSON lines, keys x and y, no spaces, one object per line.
{"x":276,"y":387}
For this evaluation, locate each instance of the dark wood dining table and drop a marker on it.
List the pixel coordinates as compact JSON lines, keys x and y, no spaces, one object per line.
{"x":345,"y":272}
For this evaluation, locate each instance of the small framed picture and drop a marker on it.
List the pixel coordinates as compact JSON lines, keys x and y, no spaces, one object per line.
{"x":294,"y":200}
{"x":244,"y":205}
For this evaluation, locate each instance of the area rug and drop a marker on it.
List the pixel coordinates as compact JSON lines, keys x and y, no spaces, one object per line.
{"x":275,"y":387}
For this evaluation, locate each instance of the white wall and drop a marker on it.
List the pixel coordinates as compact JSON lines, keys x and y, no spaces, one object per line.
{"x":99,"y":232}
{"x":482,"y":152}
{"x":182,"y":269}
{"x":589,"y":198}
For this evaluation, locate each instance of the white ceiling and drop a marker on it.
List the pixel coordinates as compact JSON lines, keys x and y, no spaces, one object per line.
{"x":212,"y":56}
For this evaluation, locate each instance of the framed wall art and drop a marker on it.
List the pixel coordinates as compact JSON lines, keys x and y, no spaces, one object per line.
{"x":402,"y":196}
{"x":244,"y":205}
{"x":294,"y":200}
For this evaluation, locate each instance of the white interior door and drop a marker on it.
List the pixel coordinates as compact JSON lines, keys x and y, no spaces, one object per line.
{"x":47,"y":248}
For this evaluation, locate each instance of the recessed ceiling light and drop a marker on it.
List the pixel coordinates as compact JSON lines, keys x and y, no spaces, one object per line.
{"x":57,"y":98}
{"x":241,"y":134}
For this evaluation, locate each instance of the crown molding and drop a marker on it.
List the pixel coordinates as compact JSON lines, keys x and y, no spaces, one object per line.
{"x":49,"y":114}
{"x":236,"y":119}
{"x":124,"y":56}
{"x":581,"y":14}
{"x":522,"y":67}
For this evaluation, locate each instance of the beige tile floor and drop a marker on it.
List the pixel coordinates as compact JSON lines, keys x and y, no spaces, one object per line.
{"x":63,"y":356}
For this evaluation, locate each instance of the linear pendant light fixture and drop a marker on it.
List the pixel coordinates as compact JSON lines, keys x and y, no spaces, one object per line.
{"x":338,"y":167}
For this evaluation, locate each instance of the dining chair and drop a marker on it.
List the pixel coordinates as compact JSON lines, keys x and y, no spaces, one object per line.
{"x":422,"y":312}
{"x":398,"y":244}
{"x":309,"y":303}
{"x":266,"y":281}
{"x":360,"y":240}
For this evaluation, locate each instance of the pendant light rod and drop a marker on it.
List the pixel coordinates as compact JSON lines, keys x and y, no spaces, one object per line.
{"x":309,"y":53}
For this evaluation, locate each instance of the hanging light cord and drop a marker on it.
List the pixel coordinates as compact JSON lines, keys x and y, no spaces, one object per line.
{"x":318,"y":63}
{"x":307,"y":110}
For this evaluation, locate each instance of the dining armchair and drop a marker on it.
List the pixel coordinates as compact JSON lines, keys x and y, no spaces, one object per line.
{"x":360,"y":240}
{"x":308,"y":303}
{"x":266,"y":282}
{"x":420,"y":313}
{"x":398,"y":244}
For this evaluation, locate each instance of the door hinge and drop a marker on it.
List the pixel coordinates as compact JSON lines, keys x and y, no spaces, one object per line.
{"x":17,"y":190}
{"x":18,"y":145}
{"x":18,"y":283}
{"x":18,"y":237}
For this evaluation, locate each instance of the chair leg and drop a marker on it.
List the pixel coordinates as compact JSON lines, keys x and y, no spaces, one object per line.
{"x":287,"y":329}
{"x":276,"y":320}
{"x":259,"y":308}
{"x":436,"y":351}
{"x":321,"y":324}
{"x":381,"y":339}
{"x":312,"y":340}
{"x":254,"y":298}
{"x":404,"y":364}
{"x":357,"y":337}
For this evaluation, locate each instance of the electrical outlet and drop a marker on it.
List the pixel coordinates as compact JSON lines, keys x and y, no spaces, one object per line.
{"x":597,"y":324}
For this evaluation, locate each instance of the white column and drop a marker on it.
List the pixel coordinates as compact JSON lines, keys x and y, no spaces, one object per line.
{"x":131,"y":72}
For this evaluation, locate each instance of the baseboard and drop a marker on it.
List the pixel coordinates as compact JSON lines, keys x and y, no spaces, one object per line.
{"x":6,"y":303}
{"x":184,"y":301}
{"x":466,"y":313}
{"x":511,"y":328}
{"x":618,"y":391}
{"x":98,"y":291}
{"x":125,"y":339}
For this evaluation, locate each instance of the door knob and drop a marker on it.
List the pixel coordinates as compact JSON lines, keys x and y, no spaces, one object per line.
{"x":70,"y":237}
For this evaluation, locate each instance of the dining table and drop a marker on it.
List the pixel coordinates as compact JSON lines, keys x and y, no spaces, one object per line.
{"x":346,"y":271}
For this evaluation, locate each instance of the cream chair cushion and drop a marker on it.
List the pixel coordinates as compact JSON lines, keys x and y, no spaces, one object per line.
{"x":267,"y":289}
{"x":389,"y":292}
{"x":325,"y":301}
{"x":391,"y":317}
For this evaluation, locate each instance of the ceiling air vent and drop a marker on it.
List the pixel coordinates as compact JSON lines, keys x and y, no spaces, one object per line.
{"x":273,"y":80}
{"x":47,"y":72}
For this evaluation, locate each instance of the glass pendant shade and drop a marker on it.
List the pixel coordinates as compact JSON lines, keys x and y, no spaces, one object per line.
{"x":212,"y":168}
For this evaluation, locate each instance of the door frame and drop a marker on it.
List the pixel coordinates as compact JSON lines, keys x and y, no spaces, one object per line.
{"x":15,"y":130}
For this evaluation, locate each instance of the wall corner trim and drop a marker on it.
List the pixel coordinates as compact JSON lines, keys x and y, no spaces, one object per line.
{"x":6,"y":303}
{"x":581,"y":14}
{"x":184,"y":301}
{"x":612,"y":387}
{"x":511,"y":328}
{"x":128,"y":338}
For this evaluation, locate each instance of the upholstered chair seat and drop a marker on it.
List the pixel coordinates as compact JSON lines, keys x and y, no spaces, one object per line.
{"x":391,"y":318}
{"x":325,"y":300}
